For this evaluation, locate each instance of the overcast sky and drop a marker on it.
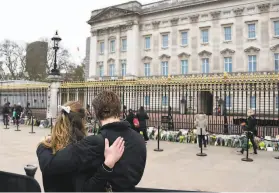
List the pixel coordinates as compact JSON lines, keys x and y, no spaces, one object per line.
{"x":29,"y":20}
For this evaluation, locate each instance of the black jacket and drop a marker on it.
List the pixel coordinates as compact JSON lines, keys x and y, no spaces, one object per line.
{"x":251,"y":124}
{"x":130,"y":118}
{"x":18,"y":110}
{"x":142,"y":117}
{"x":81,"y":161}
{"x":6,"y":109}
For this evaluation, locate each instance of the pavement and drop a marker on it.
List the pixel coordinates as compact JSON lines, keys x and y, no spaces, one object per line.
{"x":177,"y":167}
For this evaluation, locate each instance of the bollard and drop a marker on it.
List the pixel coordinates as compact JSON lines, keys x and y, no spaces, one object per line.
{"x":30,"y":170}
{"x":247,"y":159}
{"x":32,"y":125}
{"x":17,"y":125}
{"x":201,"y":153}
{"x":6,"y":121}
{"x":158,"y":141}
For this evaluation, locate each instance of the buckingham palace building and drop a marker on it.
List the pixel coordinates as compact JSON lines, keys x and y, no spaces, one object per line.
{"x":185,"y":38}
{"x":173,"y":37}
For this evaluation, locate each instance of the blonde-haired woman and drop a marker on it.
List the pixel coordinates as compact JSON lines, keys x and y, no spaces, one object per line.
{"x":250,"y":126}
{"x":68,"y":130}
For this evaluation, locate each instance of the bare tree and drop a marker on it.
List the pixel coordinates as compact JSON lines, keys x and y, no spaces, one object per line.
{"x":8,"y":50}
{"x":14,"y":59}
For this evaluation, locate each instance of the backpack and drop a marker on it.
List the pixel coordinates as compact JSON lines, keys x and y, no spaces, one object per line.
{"x":136,"y":122}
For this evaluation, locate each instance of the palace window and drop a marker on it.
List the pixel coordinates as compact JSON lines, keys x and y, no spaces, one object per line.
{"x":252,"y":31}
{"x":165,"y":40}
{"x":101,"y":70}
{"x":253,"y":102}
{"x":205,"y":65}
{"x":276,"y":62}
{"x":184,"y":66}
{"x":164,"y":100}
{"x":123,"y":68}
{"x":276,"y":28}
{"x":124,"y":44}
{"x":102,"y":47}
{"x":165,"y":68}
{"x":147,"y":42}
{"x":112,"y":46}
{"x":146,"y":69}
{"x":228,"y":102}
{"x":184,"y":38}
{"x":228,"y":33}
{"x":205,"y":34}
{"x":112,"y":70}
{"x":228,"y":64}
{"x":252,"y":63}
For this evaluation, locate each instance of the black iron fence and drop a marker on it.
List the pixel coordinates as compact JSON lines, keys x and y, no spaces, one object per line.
{"x":224,"y":98}
{"x":35,"y":95}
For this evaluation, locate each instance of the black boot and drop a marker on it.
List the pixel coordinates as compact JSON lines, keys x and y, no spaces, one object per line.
{"x":241,"y":151}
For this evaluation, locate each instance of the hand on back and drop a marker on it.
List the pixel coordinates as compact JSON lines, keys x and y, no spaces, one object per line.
{"x":114,"y":152}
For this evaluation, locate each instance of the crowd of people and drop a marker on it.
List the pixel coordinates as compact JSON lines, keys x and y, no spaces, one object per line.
{"x":16,"y":112}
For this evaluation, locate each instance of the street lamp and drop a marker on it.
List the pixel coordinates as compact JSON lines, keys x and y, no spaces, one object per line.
{"x":56,"y":39}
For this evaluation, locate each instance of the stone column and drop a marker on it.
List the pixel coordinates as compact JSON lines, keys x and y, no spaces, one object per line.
{"x":155,"y":64}
{"x":216,"y":39}
{"x":118,"y":51}
{"x":240,"y":65}
{"x":264,"y":32}
{"x":174,"y":60}
{"x":133,"y":56}
{"x":52,"y":102}
{"x":93,"y":54}
{"x":106,"y":52}
{"x":195,"y":34}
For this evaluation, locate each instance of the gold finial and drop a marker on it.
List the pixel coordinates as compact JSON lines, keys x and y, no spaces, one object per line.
{"x":225,"y":75}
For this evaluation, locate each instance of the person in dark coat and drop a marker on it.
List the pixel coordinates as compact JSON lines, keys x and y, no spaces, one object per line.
{"x":88,"y":153}
{"x":130,"y":119}
{"x":69,"y":129}
{"x":5,"y":112}
{"x":250,"y":126}
{"x":19,"y":111}
{"x":142,"y":117}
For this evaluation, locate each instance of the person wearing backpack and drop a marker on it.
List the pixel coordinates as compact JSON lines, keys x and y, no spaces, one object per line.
{"x":142,"y":117}
{"x":88,"y":153}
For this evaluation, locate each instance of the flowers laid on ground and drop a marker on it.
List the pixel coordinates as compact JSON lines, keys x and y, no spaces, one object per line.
{"x":234,"y":141}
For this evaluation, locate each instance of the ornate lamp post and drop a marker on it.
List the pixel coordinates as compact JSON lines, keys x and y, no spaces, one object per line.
{"x":56,"y":39}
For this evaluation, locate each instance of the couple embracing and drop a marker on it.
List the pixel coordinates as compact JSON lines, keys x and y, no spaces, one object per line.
{"x":114,"y":160}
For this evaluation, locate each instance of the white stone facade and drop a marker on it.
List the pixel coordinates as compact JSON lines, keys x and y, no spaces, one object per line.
{"x":173,"y":37}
